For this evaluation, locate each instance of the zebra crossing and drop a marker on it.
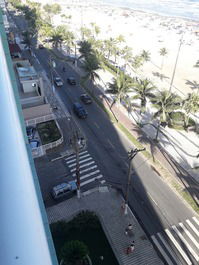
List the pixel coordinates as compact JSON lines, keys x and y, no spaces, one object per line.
{"x":89,"y":172}
{"x":179,"y":244}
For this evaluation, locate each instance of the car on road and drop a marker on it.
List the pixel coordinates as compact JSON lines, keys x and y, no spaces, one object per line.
{"x":63,"y":189}
{"x":79,"y":110}
{"x":71,"y":80}
{"x":58,"y":81}
{"x":86,"y":99}
{"x":30,"y":131}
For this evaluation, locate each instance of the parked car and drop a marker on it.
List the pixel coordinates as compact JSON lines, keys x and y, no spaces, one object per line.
{"x":63,"y":189}
{"x":30,"y":131}
{"x":79,"y":110}
{"x":86,"y":99}
{"x":34,"y":143}
{"x":58,"y":81}
{"x":71,"y":80}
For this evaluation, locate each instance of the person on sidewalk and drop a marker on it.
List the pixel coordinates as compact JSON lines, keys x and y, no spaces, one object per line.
{"x":130,"y":248}
{"x":129,"y":229}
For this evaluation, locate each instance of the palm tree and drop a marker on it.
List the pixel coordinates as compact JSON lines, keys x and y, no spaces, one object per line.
{"x":95,"y":29}
{"x":146,"y":56}
{"x":190,"y":105}
{"x":110,"y":46}
{"x":52,"y":10}
{"x":46,"y":30}
{"x":127,"y":54}
{"x":85,"y":49}
{"x":137,"y":62}
{"x":69,"y":38}
{"x":86,"y":33}
{"x":163,"y":52}
{"x":143,"y":89}
{"x":165,"y":102}
{"x":90,"y":66}
{"x":120,"y":39}
{"x":120,"y":86}
{"x":56,"y":38}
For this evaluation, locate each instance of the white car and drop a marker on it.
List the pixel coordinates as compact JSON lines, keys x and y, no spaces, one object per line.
{"x":58,"y":81}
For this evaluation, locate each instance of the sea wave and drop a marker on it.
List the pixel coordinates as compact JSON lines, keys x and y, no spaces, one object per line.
{"x":177,"y":8}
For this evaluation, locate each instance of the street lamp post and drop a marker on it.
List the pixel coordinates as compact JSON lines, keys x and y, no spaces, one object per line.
{"x":174,"y":70}
{"x":76,"y":145}
{"x":131,"y":155}
{"x":76,"y":142}
{"x":52,"y":65}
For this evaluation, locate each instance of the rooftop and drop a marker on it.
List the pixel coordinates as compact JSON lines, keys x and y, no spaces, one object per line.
{"x":27,"y":73}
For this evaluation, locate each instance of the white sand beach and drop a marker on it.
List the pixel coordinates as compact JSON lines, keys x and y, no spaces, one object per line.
{"x":147,"y":31}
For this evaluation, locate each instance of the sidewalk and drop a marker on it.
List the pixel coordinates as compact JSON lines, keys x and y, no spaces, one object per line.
{"x":106,"y":203}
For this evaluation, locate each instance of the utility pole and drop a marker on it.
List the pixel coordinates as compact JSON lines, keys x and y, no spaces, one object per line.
{"x":77,"y":141}
{"x":174,"y":70}
{"x":131,"y":154}
{"x":76,"y":146}
{"x":52,"y":65}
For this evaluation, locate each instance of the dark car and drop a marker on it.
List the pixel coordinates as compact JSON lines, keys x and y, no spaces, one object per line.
{"x":30,"y":131}
{"x":86,"y":99}
{"x":71,"y":80}
{"x":79,"y":110}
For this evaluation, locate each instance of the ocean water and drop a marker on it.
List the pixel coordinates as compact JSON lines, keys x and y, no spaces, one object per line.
{"x":177,"y":8}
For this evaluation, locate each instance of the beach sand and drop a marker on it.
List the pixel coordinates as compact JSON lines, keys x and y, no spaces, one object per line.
{"x":146,"y":31}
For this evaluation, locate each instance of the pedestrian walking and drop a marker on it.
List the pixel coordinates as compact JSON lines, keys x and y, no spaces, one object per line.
{"x":128,"y":229}
{"x":130,"y":248}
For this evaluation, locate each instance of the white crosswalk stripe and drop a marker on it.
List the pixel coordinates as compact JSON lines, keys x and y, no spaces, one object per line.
{"x":89,"y":172}
{"x":179,"y":244}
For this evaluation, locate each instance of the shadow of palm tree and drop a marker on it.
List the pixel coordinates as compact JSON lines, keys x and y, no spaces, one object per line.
{"x":144,"y":139}
{"x":193,"y":84}
{"x":161,"y":76}
{"x":186,"y":180}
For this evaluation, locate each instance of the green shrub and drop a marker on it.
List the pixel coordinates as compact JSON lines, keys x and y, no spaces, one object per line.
{"x":48,"y":132}
{"x":177,"y":120}
{"x":85,"y":220}
{"x":73,"y":252}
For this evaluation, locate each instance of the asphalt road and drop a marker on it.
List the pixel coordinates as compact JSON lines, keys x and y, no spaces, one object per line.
{"x":109,"y":148}
{"x":154,"y":203}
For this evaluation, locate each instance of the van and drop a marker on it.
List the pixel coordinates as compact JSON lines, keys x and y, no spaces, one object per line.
{"x":79,"y":110}
{"x":63,"y":189}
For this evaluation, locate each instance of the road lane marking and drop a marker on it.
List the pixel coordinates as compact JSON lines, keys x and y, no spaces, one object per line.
{"x":90,"y":174}
{"x":81,"y":166}
{"x":196,"y":220}
{"x":152,"y":198}
{"x":80,"y":153}
{"x":189,"y":235}
{"x":80,"y":162}
{"x":178,"y":247}
{"x":96,"y":125}
{"x":186,"y":243}
{"x":167,"y":247}
{"x":111,"y":143}
{"x":91,"y":180}
{"x":161,"y":250}
{"x":85,"y":170}
{"x":73,"y":160}
{"x":193,"y":227}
